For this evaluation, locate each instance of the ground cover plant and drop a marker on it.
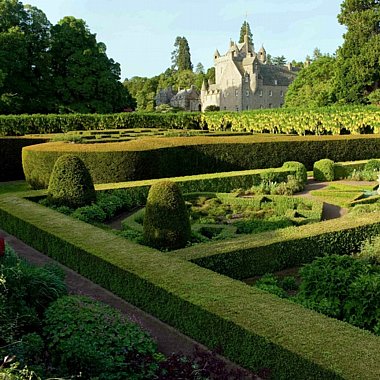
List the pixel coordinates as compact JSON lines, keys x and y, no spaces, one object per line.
{"x":342,"y":287}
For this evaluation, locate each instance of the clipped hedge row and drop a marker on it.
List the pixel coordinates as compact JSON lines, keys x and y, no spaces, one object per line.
{"x":319,"y":121}
{"x":248,"y":323}
{"x":10,"y":156}
{"x":16,"y":125}
{"x":179,"y":156}
{"x":267,"y":252}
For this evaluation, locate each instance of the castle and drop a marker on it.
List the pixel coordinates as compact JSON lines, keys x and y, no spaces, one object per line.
{"x":244,"y":80}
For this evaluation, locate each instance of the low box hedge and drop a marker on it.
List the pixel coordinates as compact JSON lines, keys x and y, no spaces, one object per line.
{"x":254,"y":328}
{"x":253,"y":255}
{"x":10,"y":156}
{"x":154,"y":157}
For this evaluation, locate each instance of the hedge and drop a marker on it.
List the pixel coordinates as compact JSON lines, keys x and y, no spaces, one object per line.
{"x":319,"y":121}
{"x":10,"y":156}
{"x":271,"y":251}
{"x":16,"y":125}
{"x":255,"y":329}
{"x":180,"y":156}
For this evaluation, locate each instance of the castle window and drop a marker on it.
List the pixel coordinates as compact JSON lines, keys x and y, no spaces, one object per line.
{"x":270,"y":93}
{"x":237,"y":108}
{"x":282,"y":94}
{"x":236,"y":92}
{"x":270,"y":105}
{"x":275,"y":82}
{"x":261,"y":93}
{"x":261,"y":106}
{"x":247,"y":93}
{"x":246,"y":79}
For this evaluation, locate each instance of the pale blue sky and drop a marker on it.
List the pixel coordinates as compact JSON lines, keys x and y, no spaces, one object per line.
{"x":140,"y":34}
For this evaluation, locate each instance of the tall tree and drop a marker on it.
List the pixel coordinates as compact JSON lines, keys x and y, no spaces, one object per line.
{"x":181,"y":57}
{"x":246,"y":29}
{"x":86,"y":80}
{"x":358,"y":59}
{"x":314,"y":85}
{"x":24,"y":58}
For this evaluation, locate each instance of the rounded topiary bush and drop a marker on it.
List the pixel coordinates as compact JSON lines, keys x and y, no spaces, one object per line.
{"x":323,"y":170}
{"x":71,"y":183}
{"x":166,"y":220}
{"x":300,"y":169}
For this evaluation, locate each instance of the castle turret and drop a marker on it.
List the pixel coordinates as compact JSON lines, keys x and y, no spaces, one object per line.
{"x":216,"y":54}
{"x":262,"y":55}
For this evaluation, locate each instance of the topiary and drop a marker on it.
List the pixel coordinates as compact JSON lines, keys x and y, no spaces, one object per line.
{"x":323,"y":170}
{"x":166,"y":220}
{"x":71,"y":183}
{"x":300,"y":169}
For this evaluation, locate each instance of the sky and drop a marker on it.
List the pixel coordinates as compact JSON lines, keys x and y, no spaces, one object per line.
{"x":140,"y":34}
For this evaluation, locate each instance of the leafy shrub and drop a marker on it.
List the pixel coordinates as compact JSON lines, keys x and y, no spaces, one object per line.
{"x":90,"y":214}
{"x":166,"y":221}
{"x":301,"y":172}
{"x":362,"y":306}
{"x":109,"y":203}
{"x":323,"y":170}
{"x":270,"y":283}
{"x":372,"y":166}
{"x":25,"y":292}
{"x":326,"y":283}
{"x":212,"y":108}
{"x":370,"y":249}
{"x":70,"y":183}
{"x":88,"y":337}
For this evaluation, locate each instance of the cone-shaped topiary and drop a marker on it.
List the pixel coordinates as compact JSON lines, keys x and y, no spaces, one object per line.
{"x":323,"y":170}
{"x":166,"y":220}
{"x":71,"y":183}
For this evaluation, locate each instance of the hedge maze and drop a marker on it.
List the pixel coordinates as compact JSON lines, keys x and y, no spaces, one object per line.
{"x":196,"y":288}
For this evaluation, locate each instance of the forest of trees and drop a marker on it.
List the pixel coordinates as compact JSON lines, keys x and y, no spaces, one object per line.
{"x":47,"y":68}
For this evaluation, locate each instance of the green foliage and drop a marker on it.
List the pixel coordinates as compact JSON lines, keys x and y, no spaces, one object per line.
{"x":358,"y":65}
{"x":370,"y":249}
{"x":314,"y":85}
{"x":270,"y":283}
{"x":88,"y":337}
{"x":246,"y":30}
{"x":90,"y":214}
{"x":25,"y":292}
{"x":166,"y":221}
{"x":372,"y":165}
{"x":169,"y":288}
{"x":344,"y":288}
{"x":300,"y":171}
{"x":60,"y":68}
{"x":71,"y":183}
{"x":212,"y":108}
{"x":181,"y":58}
{"x":279,"y":61}
{"x":323,"y":170}
{"x":326,"y":283}
{"x":374,"y":97}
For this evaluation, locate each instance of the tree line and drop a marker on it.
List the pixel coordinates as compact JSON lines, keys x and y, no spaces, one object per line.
{"x":352,"y":74}
{"x":60,"y":68}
